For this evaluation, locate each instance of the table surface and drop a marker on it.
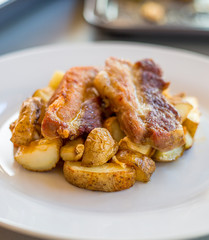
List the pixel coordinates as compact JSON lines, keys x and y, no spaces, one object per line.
{"x":64,"y":23}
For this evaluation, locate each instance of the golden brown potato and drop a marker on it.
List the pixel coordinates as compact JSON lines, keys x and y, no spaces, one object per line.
{"x":72,"y":150}
{"x":99,"y":147}
{"x":113,"y":127}
{"x":127,"y":144}
{"x":45,"y":93}
{"x":169,"y":156}
{"x":40,"y":155}
{"x":193,"y":119}
{"x":184,"y":109}
{"x":56,"y":79}
{"x":188,"y":139}
{"x":143,"y":165}
{"x":24,"y":129}
{"x":109,"y":177}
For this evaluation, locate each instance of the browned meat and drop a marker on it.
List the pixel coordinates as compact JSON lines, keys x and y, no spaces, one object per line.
{"x":74,"y":109}
{"x":26,"y":126}
{"x":134,"y":94}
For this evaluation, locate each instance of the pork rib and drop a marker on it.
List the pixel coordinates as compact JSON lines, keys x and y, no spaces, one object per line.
{"x":134,"y":92}
{"x":74,"y":109}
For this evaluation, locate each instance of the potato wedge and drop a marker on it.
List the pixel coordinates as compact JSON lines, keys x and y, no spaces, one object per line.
{"x":24,"y":129}
{"x":99,"y":147}
{"x":109,"y":177}
{"x":72,"y":150}
{"x":44,"y":93}
{"x":188,"y":139}
{"x":192,"y":121}
{"x":56,"y":79}
{"x":169,"y":156}
{"x":184,"y":109}
{"x":41,"y":155}
{"x":143,"y":165}
{"x":127,"y":144}
{"x":113,"y":127}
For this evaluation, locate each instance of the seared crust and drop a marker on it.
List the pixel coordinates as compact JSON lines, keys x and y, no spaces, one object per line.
{"x":135,"y":95}
{"x":74,"y":109}
{"x":164,"y":130}
{"x":116,"y":84}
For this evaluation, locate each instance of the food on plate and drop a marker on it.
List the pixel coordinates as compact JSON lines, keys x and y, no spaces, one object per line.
{"x":26,"y":127}
{"x":72,"y":150}
{"x":74,"y":108}
{"x":143,"y":165}
{"x":193,"y":118}
{"x":100,"y":147}
{"x":107,"y":126}
{"x":168,"y":156}
{"x":112,"y":125}
{"x":39,"y":155}
{"x":127,"y":144}
{"x":135,"y":94}
{"x":109,"y":177}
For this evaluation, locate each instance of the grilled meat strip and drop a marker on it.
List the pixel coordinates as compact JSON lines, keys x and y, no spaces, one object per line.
{"x":74,"y":109}
{"x":134,"y":92}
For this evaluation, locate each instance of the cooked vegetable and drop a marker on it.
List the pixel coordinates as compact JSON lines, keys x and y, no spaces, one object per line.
{"x":184,"y":109}
{"x":127,"y":144}
{"x":109,"y":177}
{"x":113,"y":127}
{"x":188,"y":139}
{"x":192,"y":121}
{"x":56,"y":79}
{"x":169,"y":155}
{"x":24,"y":129}
{"x":143,"y":165}
{"x":99,"y":147}
{"x":44,"y":93}
{"x":39,"y":155}
{"x":72,"y":150}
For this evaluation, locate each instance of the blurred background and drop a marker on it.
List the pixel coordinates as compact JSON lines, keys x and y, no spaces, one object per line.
{"x":29,"y":23}
{"x":177,"y":23}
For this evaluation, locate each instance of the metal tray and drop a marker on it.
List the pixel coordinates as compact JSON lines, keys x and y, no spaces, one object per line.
{"x":123,"y":16}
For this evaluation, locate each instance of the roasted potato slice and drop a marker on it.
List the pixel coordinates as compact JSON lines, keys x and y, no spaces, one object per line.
{"x":72,"y":150}
{"x":169,"y":155}
{"x":127,"y":144}
{"x":109,"y":177}
{"x":24,"y":129}
{"x":56,"y":79}
{"x":113,"y":127}
{"x":40,"y":155}
{"x":143,"y":165}
{"x":188,"y":139}
{"x":184,"y":109}
{"x":45,"y":93}
{"x":99,"y":147}
{"x":192,"y":121}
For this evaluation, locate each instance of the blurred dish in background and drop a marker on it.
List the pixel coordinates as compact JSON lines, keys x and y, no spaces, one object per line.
{"x":149,"y":16}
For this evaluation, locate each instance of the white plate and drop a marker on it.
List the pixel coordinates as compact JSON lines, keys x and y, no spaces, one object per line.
{"x":175,"y":204}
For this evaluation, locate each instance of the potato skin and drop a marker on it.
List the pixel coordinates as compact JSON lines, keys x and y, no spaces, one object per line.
{"x":72,"y":150}
{"x":143,"y":165}
{"x":109,"y":177}
{"x":99,"y":148}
